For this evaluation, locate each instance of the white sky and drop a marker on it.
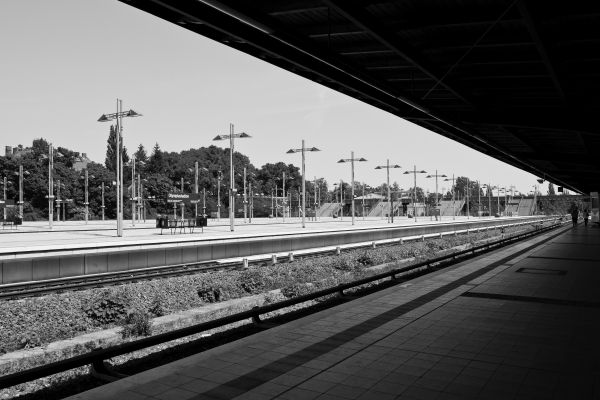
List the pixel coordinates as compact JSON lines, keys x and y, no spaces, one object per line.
{"x":64,"y":63}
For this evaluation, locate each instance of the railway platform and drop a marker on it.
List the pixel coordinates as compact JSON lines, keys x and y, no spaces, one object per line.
{"x":519,"y":323}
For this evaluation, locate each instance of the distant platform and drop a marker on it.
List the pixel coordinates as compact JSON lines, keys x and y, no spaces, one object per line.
{"x":73,"y":251}
{"x":519,"y":323}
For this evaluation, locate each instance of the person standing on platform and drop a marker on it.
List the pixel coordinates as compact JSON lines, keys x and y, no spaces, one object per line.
{"x":574,"y":214}
{"x":586,"y":215}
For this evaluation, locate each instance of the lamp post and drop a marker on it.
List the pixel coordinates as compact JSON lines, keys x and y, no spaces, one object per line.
{"x":436,"y":176}
{"x":352,"y":160}
{"x":50,"y":185}
{"x":415,"y":172}
{"x":102,"y":207}
{"x":232,"y":189}
{"x":219,"y":178}
{"x":283,"y":202}
{"x":453,"y":193}
{"x":245,"y":199}
{"x":20,"y":202}
{"x":303,"y":150}
{"x":85,"y":198}
{"x":4,"y":183}
{"x":389,"y":192}
{"x":118,"y":116}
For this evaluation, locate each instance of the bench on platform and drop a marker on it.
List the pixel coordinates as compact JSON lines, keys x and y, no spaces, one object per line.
{"x":182,"y":224}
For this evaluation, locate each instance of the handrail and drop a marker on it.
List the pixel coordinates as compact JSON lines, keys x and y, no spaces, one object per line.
{"x":98,"y":356}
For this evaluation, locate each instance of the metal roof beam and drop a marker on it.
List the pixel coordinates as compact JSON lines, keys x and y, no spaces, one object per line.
{"x":358,"y":16}
{"x":541,"y":46}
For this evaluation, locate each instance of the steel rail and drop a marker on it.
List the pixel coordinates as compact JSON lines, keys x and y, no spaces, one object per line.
{"x":96,"y":358}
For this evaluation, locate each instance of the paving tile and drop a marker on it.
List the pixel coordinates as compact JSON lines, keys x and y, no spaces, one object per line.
{"x":176,"y":394}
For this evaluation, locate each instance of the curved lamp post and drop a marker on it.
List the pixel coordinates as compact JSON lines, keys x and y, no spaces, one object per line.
{"x":118,"y":116}
{"x":387,"y":167}
{"x":232,"y":189}
{"x":415,"y":172}
{"x":436,"y":176}
{"x":302,"y":150}
{"x":351,"y":160}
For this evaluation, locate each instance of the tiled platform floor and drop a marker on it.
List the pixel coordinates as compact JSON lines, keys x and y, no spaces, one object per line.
{"x":479,"y":331}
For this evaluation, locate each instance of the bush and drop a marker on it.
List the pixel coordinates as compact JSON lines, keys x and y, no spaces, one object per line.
{"x":297,"y":289}
{"x":136,"y":323}
{"x":156,"y":307}
{"x":209,"y":294}
{"x":108,"y":309}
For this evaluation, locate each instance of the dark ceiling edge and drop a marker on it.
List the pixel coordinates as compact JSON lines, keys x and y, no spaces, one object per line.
{"x":255,"y":40}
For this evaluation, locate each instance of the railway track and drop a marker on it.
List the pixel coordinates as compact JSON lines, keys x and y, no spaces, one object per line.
{"x":58,"y":285}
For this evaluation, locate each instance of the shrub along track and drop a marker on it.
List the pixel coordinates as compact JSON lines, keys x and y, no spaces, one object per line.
{"x":162,"y":353}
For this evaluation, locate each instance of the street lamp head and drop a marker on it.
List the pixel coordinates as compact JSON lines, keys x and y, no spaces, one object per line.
{"x":406,"y":172}
{"x":396,"y":166}
{"x":290,"y":151}
{"x":422,"y":172}
{"x":104,"y":118}
{"x":314,"y":149}
{"x":244,"y":135}
{"x":221,"y":137}
{"x":443,"y":175}
{"x":132,"y":113}
{"x":378,"y":167}
{"x":341,"y":161}
{"x":429,"y":176}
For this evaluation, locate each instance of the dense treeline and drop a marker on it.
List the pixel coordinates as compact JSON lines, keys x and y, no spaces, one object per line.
{"x":160,"y":172}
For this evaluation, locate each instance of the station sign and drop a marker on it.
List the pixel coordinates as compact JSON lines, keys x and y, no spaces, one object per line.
{"x":7,"y":203}
{"x":187,"y":198}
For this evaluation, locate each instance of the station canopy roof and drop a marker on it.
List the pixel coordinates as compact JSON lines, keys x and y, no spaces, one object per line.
{"x":514,"y":79}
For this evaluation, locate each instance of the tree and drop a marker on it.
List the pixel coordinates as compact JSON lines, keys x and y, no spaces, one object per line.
{"x":551,"y":189}
{"x":111,"y":150}
{"x":156,"y":162}
{"x":141,"y":154}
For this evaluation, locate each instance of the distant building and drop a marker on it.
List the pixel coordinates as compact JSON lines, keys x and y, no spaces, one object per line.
{"x":81,"y":162}
{"x":17,"y":152}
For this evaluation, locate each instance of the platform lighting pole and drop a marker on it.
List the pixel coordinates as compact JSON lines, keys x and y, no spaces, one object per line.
{"x":468,"y":198}
{"x":245,"y":198}
{"x":352,"y":160}
{"x":284,"y":201}
{"x":140,"y":198}
{"x":196,"y":188}
{"x":415,"y":172}
{"x":389,"y":192}
{"x":478,"y":199}
{"x":4,"y":182}
{"x":118,"y":116}
{"x":436,"y":176}
{"x":303,"y":150}
{"x":272,"y":203}
{"x":219,"y":178}
{"x":182,"y":202}
{"x":232,"y":188}
{"x":50,"y":185}
{"x":102,"y":206}
{"x":85,"y":200}
{"x":453,"y":192}
{"x":363,"y":201}
{"x":132,"y":164}
{"x":315,"y":196}
{"x":58,"y":201}
{"x":21,"y":173}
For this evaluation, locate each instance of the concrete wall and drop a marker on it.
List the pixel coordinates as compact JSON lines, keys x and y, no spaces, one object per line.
{"x":73,"y":262}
